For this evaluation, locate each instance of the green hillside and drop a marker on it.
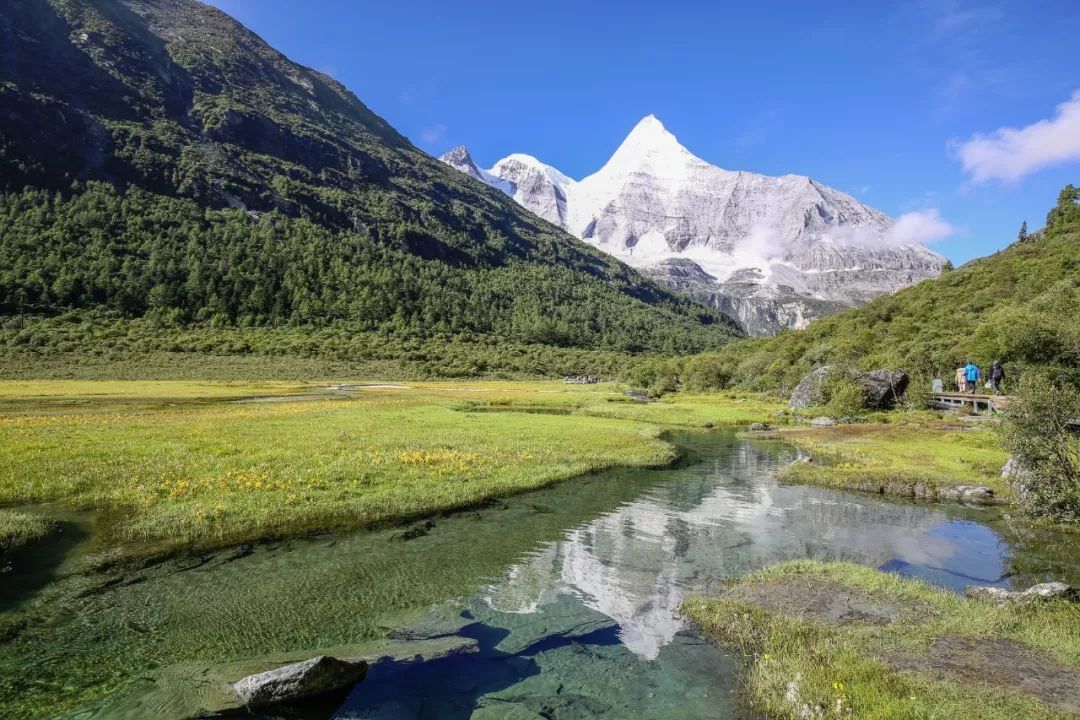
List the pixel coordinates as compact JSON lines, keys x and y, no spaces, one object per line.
{"x":158,"y":162}
{"x":1020,"y":305}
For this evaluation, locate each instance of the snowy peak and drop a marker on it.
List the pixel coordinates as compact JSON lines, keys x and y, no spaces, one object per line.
{"x":649,"y":149}
{"x":520,"y":163}
{"x":460,"y":159}
{"x":771,"y":251}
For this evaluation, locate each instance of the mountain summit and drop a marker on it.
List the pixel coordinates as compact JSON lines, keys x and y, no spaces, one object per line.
{"x":772,"y":252}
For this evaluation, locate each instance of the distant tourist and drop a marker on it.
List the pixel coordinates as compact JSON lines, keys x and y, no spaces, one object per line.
{"x":961,"y":382}
{"x":997,"y":376}
{"x":971,"y":376}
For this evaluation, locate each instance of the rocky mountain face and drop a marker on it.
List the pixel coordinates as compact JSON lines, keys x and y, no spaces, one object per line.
{"x":772,"y":252}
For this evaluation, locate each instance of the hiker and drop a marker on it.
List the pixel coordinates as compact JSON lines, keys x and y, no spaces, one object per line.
{"x":997,"y":375}
{"x":961,"y":382}
{"x":972,"y":375}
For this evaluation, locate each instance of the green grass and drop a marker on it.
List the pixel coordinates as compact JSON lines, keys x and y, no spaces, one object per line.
{"x":836,"y":664}
{"x":893,"y":458}
{"x":18,"y":528}
{"x":197,"y":469}
{"x":608,"y":401}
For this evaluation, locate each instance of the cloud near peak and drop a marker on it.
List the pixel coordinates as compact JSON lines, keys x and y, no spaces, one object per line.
{"x":921,"y":227}
{"x":1011,"y":153}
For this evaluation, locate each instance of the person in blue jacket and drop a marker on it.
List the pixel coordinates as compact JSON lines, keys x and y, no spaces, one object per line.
{"x":972,"y":375}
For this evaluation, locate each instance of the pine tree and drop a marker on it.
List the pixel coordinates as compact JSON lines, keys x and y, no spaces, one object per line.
{"x":1023,"y":234}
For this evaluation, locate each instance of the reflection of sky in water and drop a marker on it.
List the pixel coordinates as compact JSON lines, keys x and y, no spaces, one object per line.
{"x":717,"y":519}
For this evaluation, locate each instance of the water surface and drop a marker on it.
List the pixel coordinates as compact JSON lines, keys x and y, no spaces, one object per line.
{"x":571,"y":593}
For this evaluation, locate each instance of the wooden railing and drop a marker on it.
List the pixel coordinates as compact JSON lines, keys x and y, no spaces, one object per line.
{"x":978,"y":403}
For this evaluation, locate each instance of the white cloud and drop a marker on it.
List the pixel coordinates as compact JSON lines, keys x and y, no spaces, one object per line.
{"x":1011,"y":153}
{"x":920,"y":227}
{"x":433,"y":134}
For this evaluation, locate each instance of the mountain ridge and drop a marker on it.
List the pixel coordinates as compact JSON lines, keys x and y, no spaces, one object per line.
{"x":158,"y":108}
{"x":654,"y":201}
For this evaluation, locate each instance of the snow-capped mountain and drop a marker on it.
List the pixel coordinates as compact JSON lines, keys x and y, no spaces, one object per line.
{"x":772,"y":252}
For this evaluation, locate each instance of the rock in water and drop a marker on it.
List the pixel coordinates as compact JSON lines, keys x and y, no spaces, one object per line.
{"x":309,"y":678}
{"x":810,"y":392}
{"x":882,"y":389}
{"x":1035,"y":593}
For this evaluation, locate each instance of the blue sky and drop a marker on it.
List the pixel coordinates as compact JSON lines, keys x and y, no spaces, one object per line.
{"x":886,"y":101}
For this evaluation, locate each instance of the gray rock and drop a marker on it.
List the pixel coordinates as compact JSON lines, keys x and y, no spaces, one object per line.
{"x":810,"y":392}
{"x":1035,"y":593}
{"x":1049,"y":591}
{"x":977,"y":495}
{"x":971,"y":494}
{"x":758,"y":427}
{"x":309,"y":678}
{"x":882,"y":389}
{"x":823,"y":421}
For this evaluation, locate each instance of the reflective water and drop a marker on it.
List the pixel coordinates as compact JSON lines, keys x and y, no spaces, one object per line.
{"x":587,"y":626}
{"x":571,"y":593}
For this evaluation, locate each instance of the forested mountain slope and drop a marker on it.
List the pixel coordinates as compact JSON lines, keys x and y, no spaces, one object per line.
{"x":157,"y":159}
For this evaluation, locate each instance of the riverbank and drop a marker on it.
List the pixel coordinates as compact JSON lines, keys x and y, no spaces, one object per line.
{"x":915,"y":455}
{"x":213,"y":464}
{"x":835,"y":640}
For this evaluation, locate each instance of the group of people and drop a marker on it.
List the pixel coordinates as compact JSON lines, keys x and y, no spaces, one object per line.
{"x":968,"y":377}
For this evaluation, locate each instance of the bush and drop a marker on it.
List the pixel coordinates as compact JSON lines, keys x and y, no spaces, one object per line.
{"x":844,"y":393}
{"x":1037,"y":434}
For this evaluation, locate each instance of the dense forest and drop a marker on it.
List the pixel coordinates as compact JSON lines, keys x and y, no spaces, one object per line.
{"x":161,"y":165}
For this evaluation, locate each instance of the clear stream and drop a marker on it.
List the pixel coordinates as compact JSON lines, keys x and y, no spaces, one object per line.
{"x":571,"y":592}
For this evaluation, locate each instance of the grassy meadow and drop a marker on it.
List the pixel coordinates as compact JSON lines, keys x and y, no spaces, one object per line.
{"x":210,"y":463}
{"x":802,"y":666}
{"x":894,"y":457}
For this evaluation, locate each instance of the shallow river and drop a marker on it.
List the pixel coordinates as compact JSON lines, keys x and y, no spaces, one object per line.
{"x":571,"y":592}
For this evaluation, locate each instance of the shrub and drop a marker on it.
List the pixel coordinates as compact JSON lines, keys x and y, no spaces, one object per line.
{"x":1037,"y":434}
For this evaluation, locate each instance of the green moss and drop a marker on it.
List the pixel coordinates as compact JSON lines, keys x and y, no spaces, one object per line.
{"x":801,"y":661}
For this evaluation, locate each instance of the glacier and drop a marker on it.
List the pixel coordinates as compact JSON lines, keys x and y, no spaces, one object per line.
{"x":771,"y":252}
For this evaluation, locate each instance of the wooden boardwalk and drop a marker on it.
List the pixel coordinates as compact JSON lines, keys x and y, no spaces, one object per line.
{"x":978,"y":403}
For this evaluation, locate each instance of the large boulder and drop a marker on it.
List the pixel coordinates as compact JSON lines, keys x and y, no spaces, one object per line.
{"x":882,"y":389}
{"x":810,"y":392}
{"x":310,"y":678}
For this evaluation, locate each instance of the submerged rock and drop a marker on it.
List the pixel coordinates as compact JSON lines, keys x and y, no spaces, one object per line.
{"x":309,"y":678}
{"x":1035,"y":593}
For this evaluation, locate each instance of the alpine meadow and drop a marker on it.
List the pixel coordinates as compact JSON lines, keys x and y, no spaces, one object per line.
{"x":402,"y":388}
